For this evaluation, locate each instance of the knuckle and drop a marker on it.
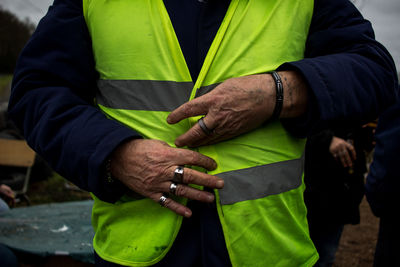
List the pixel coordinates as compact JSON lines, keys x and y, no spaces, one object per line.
{"x":197,"y":133}
{"x":194,"y":157}
{"x":188,"y":177}
{"x":168,"y":203}
{"x":181,"y":190}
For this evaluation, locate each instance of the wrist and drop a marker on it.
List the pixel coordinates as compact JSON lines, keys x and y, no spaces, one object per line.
{"x":278,"y":95}
{"x":295,"y":90}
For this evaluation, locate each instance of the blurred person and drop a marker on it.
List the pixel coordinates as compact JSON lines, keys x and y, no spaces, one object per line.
{"x":259,"y":73}
{"x":382,"y":187}
{"x":335,"y":165}
{"x":7,"y":198}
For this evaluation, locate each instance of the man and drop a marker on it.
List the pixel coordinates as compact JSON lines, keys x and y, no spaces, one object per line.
{"x":143,"y":61}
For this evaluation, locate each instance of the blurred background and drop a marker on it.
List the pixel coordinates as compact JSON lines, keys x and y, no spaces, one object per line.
{"x":18,"y":20}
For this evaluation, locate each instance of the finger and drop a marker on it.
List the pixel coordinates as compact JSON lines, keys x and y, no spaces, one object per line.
{"x":196,"y":135}
{"x":352,"y":151}
{"x":347,"y":159}
{"x":195,"y":107}
{"x":214,"y":140}
{"x":342,"y":159}
{"x":190,"y":193}
{"x":191,"y":176}
{"x":189,"y":157}
{"x":173,"y":205}
{"x":192,"y":137}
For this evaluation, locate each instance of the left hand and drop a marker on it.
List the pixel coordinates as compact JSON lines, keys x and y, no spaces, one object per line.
{"x":239,"y":105}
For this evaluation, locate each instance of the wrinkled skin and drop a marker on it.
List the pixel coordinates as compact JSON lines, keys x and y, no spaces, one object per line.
{"x":238,"y":106}
{"x":234,"y":107}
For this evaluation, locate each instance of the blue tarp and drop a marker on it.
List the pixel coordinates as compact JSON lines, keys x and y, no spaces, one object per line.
{"x":52,"y":229}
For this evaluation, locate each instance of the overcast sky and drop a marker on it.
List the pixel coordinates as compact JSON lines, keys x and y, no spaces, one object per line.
{"x":385,"y":18}
{"x":384,"y":15}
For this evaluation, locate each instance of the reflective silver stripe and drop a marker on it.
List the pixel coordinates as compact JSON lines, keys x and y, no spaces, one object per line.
{"x":261,"y":181}
{"x":146,"y":95}
{"x":205,"y":89}
{"x":143,"y":94}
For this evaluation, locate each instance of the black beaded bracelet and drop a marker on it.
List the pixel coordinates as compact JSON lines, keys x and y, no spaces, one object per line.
{"x":279,"y":95}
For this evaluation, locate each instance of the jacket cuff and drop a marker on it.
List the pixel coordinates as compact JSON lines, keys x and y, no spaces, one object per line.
{"x":302,"y":126}
{"x":100,"y":186}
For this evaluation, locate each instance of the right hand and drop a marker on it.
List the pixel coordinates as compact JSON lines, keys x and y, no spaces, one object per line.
{"x":147,"y":168}
{"x":343,"y":151}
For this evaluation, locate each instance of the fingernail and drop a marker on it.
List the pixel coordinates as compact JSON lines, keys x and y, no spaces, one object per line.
{"x":210,"y":198}
{"x":220,"y":183}
{"x":177,"y":144}
{"x":188,"y":214}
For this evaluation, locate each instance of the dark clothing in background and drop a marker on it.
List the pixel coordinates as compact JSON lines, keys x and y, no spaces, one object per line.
{"x":333,"y":194}
{"x":383,"y":185}
{"x":383,"y":181}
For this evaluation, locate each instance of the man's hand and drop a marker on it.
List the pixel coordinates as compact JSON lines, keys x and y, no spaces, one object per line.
{"x":147,"y":167}
{"x":239,"y":105}
{"x":342,"y":151}
{"x":8,"y":194}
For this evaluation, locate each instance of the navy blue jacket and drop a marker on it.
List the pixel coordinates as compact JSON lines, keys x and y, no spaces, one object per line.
{"x":351,"y":76}
{"x":383,"y":181}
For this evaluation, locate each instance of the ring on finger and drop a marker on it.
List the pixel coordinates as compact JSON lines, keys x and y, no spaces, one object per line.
{"x":162,"y":200}
{"x":178,"y":175}
{"x":204,"y":127}
{"x":172,"y":188}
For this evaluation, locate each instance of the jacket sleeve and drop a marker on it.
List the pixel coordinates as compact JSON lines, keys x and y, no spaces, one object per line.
{"x":352,"y":77}
{"x":52,"y":101}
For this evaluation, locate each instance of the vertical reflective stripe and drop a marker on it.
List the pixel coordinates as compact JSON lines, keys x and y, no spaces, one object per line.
{"x":261,"y":181}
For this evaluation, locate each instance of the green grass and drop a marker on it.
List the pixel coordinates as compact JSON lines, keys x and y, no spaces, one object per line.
{"x":54,"y":189}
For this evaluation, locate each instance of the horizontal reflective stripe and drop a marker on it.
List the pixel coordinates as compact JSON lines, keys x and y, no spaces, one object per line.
{"x":261,"y":181}
{"x":143,"y":94}
{"x":146,"y":95}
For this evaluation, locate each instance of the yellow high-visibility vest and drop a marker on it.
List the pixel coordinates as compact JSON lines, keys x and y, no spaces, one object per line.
{"x":144,"y":76}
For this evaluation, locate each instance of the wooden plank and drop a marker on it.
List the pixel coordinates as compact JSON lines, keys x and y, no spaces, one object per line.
{"x":16,"y":153}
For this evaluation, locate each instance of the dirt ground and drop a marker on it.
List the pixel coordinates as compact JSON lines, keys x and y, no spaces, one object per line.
{"x":357,"y":245}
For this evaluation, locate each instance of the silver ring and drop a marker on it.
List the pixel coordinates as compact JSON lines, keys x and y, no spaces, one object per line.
{"x":204,"y":127}
{"x":172,"y":188}
{"x":178,"y":175}
{"x":162,"y":200}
